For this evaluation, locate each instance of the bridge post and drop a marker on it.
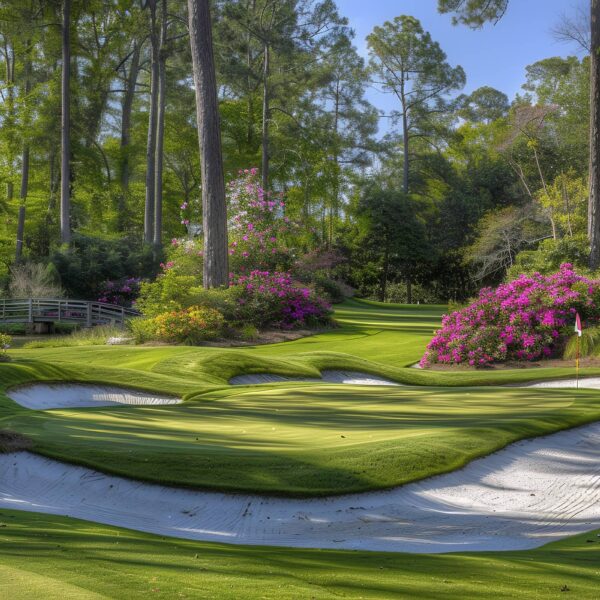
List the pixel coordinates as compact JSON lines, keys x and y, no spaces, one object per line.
{"x":30,"y":307}
{"x":88,"y":315}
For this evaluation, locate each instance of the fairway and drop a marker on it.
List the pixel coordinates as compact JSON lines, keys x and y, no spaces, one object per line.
{"x":119,"y":563}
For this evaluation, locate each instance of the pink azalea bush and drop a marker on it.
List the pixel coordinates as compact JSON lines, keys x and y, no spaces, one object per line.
{"x":264,"y":298}
{"x":526,"y":319}
{"x":257,"y":226}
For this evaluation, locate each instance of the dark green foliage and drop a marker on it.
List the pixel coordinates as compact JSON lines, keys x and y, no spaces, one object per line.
{"x":391,"y":243}
{"x":90,"y":261}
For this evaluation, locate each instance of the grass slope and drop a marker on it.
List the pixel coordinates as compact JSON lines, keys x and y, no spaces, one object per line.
{"x":289,"y":438}
{"x":77,"y":559}
{"x":303,"y":440}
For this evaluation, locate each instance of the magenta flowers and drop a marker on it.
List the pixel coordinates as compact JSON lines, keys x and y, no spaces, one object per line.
{"x":274,"y":299}
{"x":526,"y":319}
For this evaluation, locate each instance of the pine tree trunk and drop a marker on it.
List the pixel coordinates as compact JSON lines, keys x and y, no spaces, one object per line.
{"x":265,"y":120}
{"x":594,"y":200}
{"x":126,"y":110}
{"x":65,"y":172}
{"x":23,"y":198}
{"x":160,"y":129}
{"x":405,"y":163}
{"x":214,"y":211}
{"x":24,"y":165}
{"x":151,"y":142}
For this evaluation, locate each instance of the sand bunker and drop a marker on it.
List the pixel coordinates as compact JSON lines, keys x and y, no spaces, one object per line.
{"x":44,"y":396}
{"x":532,"y":492}
{"x":328,"y":376}
{"x":585,"y":382}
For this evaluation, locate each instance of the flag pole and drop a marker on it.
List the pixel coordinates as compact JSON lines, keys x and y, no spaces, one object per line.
{"x":577,"y":365}
{"x":578,"y":331}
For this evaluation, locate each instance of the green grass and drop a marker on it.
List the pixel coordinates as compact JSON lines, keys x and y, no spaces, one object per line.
{"x":302,"y":439}
{"x":95,"y":336}
{"x":62,"y":559}
{"x":287,"y":439}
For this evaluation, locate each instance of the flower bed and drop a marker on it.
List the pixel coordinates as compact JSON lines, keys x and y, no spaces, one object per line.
{"x":526,"y":319}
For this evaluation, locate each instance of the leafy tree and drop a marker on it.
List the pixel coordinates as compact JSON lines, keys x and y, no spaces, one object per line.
{"x":413,"y":67}
{"x":392,"y":239}
{"x":484,"y":105}
{"x":475,"y":13}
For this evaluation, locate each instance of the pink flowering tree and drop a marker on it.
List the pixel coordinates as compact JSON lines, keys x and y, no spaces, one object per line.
{"x":526,"y":319}
{"x":262,"y":291}
{"x":258,"y":226}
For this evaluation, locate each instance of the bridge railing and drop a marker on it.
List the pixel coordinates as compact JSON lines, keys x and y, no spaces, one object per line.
{"x":56,"y":310}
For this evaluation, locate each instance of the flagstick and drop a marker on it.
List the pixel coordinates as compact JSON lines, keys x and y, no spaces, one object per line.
{"x":577,"y":365}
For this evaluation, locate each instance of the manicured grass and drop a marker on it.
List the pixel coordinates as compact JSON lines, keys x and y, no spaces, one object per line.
{"x":303,"y":439}
{"x":289,"y":439}
{"x":56,"y":558}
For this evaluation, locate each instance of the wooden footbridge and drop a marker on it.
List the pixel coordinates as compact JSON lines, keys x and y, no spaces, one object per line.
{"x":49,"y":311}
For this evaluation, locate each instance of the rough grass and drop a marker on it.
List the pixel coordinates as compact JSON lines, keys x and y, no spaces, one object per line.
{"x":83,"y":561}
{"x":94,"y":336}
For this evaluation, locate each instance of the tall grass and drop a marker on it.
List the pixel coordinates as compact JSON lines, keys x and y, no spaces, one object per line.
{"x":96,"y":336}
{"x":589,"y":344}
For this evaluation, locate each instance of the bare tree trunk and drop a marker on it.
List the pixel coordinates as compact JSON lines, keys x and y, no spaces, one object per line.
{"x":65,"y":172}
{"x":160,"y":128}
{"x":9,"y":61}
{"x":594,"y":200}
{"x":23,"y":198}
{"x":214,"y":211}
{"x":384,"y":273}
{"x":405,"y":141}
{"x":151,"y":143}
{"x":543,"y":180}
{"x":250,"y":101}
{"x":126,"y":110}
{"x":334,"y":208}
{"x":567,"y":205}
{"x":265,"y":120}
{"x":24,"y":164}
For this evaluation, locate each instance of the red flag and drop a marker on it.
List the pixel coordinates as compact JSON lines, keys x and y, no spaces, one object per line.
{"x":578,"y":327}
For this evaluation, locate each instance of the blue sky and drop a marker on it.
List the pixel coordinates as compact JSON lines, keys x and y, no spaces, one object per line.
{"x":495,"y":55}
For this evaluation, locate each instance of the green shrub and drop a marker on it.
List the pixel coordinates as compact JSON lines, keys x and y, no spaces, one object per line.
{"x":5,"y":342}
{"x":333,"y":290}
{"x":550,"y":254}
{"x":248,"y":333}
{"x":169,"y":292}
{"x":142,"y":329}
{"x":188,"y":326}
{"x":90,"y":261}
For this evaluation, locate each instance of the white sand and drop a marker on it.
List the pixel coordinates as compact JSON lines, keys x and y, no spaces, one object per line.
{"x":44,"y":396}
{"x":585,"y":382}
{"x":328,"y":376}
{"x":526,"y":495}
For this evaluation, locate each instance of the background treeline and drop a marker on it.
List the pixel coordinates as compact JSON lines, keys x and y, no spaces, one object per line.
{"x":459,"y":190}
